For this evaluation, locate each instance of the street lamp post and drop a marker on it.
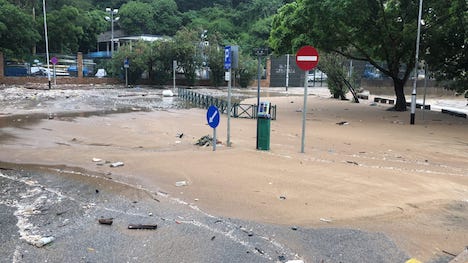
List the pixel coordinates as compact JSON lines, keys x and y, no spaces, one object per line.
{"x":46,"y":40}
{"x":416,"y":62}
{"x":112,"y":19}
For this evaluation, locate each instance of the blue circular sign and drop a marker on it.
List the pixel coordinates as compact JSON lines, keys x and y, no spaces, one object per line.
{"x":212,"y":116}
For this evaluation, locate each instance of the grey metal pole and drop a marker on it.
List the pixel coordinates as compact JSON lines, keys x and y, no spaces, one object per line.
{"x":126,"y":77}
{"x":46,"y":41}
{"x":214,"y":139}
{"x":416,"y":62}
{"x":304,"y":111}
{"x":287,"y":72}
{"x":174,"y":67}
{"x":425,"y":89}
{"x":112,"y":32}
{"x":229,"y":110}
{"x":258,"y":94}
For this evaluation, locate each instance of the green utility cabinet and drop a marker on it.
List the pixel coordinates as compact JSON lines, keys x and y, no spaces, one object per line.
{"x":264,"y":134}
{"x":263,"y":129}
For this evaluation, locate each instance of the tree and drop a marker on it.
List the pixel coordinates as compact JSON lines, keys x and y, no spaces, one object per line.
{"x":188,"y":53}
{"x":445,"y":40}
{"x":382,"y":32}
{"x":65,"y":29}
{"x":216,"y":20}
{"x":92,"y":24}
{"x":157,"y":17}
{"x":17,"y":42}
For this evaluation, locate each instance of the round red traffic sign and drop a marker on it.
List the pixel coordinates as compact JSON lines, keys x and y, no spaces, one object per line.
{"x":307,"y":58}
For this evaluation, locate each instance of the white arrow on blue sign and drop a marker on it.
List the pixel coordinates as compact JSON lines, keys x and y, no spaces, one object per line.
{"x":212,"y":116}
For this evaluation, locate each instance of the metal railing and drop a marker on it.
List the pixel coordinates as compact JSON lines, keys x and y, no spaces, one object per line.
{"x":237,"y":110}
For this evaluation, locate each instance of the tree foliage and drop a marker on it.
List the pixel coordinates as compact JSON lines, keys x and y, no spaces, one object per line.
{"x":157,"y":17}
{"x":380,"y":32}
{"x":19,"y":41}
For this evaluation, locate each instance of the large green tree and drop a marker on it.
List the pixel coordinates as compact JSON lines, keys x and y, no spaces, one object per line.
{"x":158,"y":17}
{"x":18,"y":33}
{"x":381,"y":32}
{"x":445,"y":42}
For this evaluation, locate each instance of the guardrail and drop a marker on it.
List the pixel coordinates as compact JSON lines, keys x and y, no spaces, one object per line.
{"x":237,"y":110}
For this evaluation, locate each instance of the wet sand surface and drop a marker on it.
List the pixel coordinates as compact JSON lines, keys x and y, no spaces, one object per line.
{"x":374,"y":173}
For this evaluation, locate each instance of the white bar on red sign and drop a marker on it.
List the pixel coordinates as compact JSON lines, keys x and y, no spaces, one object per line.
{"x":307,"y":58}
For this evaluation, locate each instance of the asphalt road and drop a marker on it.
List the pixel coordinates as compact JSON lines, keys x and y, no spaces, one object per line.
{"x":50,"y":202}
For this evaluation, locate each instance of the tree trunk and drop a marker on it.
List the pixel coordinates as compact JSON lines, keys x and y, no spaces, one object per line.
{"x":400,"y":95}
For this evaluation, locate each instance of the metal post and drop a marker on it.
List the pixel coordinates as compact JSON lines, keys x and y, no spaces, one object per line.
{"x":214,"y":139}
{"x":229,"y":110}
{"x":46,"y":41}
{"x":174,"y":67}
{"x":287,"y":72}
{"x":425,"y":89}
{"x":112,"y":33}
{"x":416,"y":62}
{"x":258,"y":95}
{"x":304,"y":111}
{"x":126,"y":77}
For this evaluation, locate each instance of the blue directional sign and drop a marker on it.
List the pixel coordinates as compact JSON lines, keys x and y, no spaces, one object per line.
{"x":212,"y":116}
{"x":227,"y":57}
{"x":126,"y":63}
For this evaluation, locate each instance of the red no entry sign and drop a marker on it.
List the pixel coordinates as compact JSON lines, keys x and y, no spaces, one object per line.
{"x":307,"y":58}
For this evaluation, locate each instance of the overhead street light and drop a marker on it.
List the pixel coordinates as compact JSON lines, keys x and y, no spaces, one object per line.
{"x":112,"y":19}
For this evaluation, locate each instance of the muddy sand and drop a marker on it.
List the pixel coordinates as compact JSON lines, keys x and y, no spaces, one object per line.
{"x":373,"y":172}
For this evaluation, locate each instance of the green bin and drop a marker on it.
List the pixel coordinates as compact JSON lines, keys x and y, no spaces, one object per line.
{"x":264,"y":134}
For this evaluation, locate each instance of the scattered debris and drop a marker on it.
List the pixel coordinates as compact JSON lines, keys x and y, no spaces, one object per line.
{"x":150,"y":214}
{"x":206,"y":141}
{"x":180,"y":135}
{"x":294,"y":228}
{"x":44,"y":241}
{"x":96,"y":160}
{"x":97,"y":191}
{"x":259,"y":251}
{"x":181,"y":183}
{"x":352,"y":162}
{"x":448,"y":253}
{"x":116,"y":164}
{"x":295,"y":261}
{"x":462,"y":257}
{"x":142,"y":226}
{"x":326,"y":220}
{"x":342,"y":123}
{"x":282,"y":197}
{"x":106,"y":221}
{"x":167,"y":93}
{"x":213,"y":238}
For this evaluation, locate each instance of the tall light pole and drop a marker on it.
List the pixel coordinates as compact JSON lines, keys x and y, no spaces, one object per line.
{"x":46,"y":41}
{"x":112,"y":19}
{"x":416,"y":62}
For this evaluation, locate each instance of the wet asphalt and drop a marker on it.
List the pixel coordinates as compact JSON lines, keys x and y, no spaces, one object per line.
{"x":67,"y":206}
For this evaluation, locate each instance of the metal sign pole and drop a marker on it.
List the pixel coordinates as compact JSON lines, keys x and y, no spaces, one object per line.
{"x":126,"y":77}
{"x":229,"y":110}
{"x":214,"y":139}
{"x":174,"y":67}
{"x":304,"y":111}
{"x":287,"y":72}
